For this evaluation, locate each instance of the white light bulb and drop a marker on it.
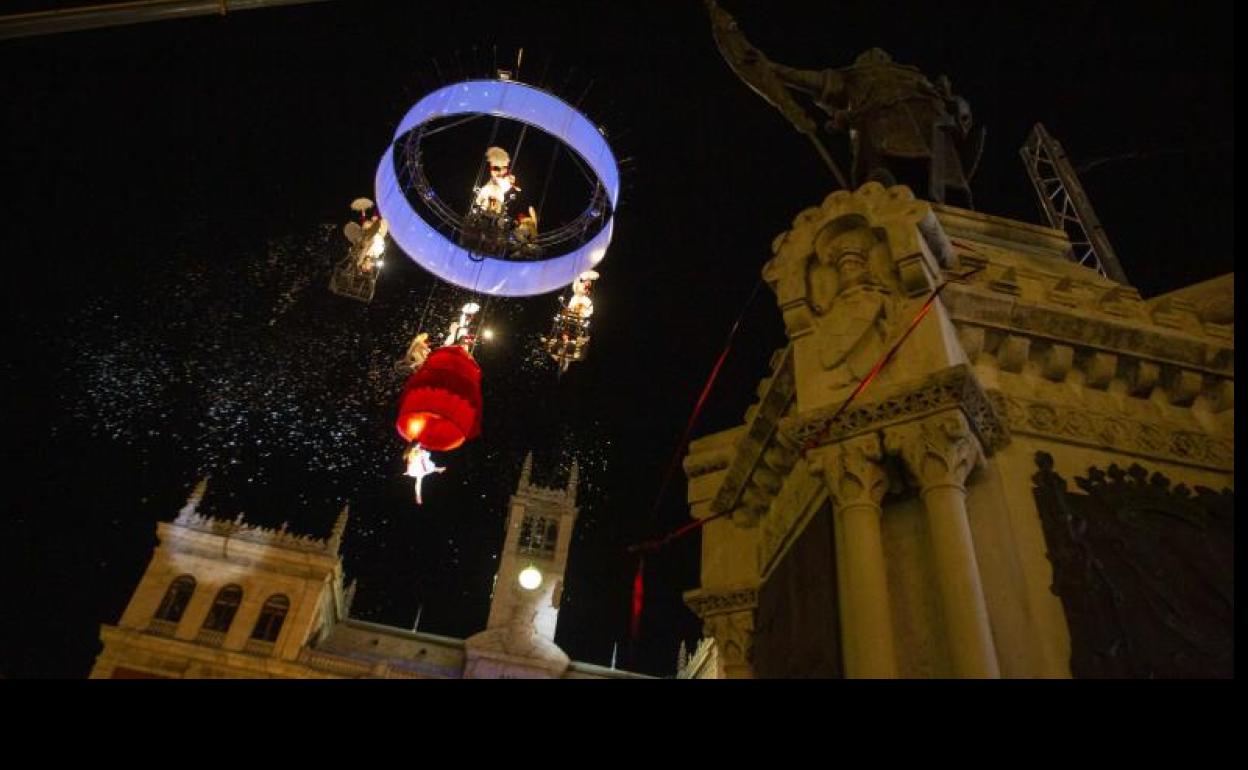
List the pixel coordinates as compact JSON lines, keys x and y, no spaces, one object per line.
{"x":530,"y":578}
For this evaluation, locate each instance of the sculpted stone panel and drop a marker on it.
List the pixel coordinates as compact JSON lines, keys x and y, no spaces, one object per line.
{"x":801,"y":493}
{"x":1115,"y":432}
{"x":867,"y":238}
{"x":1145,"y":572}
{"x":734,"y":635}
{"x":939,"y":451}
{"x":852,"y":472}
{"x":728,"y":616}
{"x":704,"y":603}
{"x":954,"y":387}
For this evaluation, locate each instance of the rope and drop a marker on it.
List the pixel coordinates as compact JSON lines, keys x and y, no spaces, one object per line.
{"x":485,"y":161}
{"x":428,"y":302}
{"x":697,"y":407}
{"x":550,"y":170}
{"x":655,"y":544}
{"x":515,"y":154}
{"x":638,"y":577}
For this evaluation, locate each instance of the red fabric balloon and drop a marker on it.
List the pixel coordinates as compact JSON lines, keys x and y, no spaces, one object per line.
{"x":441,"y":403}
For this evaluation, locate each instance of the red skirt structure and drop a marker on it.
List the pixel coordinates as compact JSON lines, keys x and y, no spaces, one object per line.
{"x":441,"y":403}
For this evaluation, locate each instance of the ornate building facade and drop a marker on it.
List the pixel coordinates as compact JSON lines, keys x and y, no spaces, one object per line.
{"x":225,"y":599}
{"x":1037,"y":485}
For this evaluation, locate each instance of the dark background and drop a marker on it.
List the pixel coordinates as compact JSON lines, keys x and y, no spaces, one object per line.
{"x":176,"y":190}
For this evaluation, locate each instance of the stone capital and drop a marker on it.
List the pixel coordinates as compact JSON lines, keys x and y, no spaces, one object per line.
{"x":706,"y":602}
{"x":852,"y":471}
{"x":734,"y":636}
{"x":939,"y":451}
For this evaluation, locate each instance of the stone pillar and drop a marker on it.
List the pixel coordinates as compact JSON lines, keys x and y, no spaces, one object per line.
{"x":856,"y":483}
{"x":728,"y":617}
{"x":941,"y":451}
{"x":734,"y":637}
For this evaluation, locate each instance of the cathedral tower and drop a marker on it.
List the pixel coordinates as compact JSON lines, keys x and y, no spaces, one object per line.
{"x":519,"y":639}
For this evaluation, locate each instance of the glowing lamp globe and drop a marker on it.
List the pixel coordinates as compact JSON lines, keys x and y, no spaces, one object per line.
{"x":530,"y":578}
{"x":441,"y":403}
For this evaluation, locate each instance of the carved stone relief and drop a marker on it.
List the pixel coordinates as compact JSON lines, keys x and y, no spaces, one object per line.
{"x":954,"y":387}
{"x":852,"y":472}
{"x":868,"y":238}
{"x":939,"y":451}
{"x":1145,"y":572}
{"x":1115,"y":432}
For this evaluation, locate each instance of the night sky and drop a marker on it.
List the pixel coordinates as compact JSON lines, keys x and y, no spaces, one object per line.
{"x":176,"y":195}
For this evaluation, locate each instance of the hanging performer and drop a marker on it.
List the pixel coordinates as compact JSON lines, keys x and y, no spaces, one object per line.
{"x":417,"y":352}
{"x":494,"y":195}
{"x":581,"y":305}
{"x":419,"y":465}
{"x":461,"y":330}
{"x":569,"y":338}
{"x":356,"y":275}
{"x":372,"y":243}
{"x":525,"y":235}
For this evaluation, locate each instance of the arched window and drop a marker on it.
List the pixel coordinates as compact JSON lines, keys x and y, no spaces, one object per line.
{"x":538,"y":535}
{"x":176,"y":599}
{"x":552,"y":535}
{"x":223,"y":609}
{"x":272,"y":614}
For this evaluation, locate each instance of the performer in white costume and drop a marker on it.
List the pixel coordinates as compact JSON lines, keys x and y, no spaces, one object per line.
{"x":419,"y":465}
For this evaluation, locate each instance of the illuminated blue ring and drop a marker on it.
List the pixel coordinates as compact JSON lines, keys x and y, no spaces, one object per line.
{"x":448,"y":260}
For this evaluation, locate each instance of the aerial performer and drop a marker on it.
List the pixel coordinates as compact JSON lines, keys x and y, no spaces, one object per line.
{"x":494,"y":195}
{"x":356,"y":275}
{"x":569,"y":337}
{"x":461,"y":331}
{"x":416,"y":354}
{"x":487,"y":249}
{"x":420,"y":464}
{"x":581,"y":305}
{"x":372,"y":244}
{"x":483,"y":248}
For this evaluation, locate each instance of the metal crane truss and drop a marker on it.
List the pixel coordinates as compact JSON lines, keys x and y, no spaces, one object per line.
{"x":1066,"y":204}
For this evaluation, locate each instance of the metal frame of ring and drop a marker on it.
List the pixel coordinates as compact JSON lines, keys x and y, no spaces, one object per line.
{"x":451,"y":262}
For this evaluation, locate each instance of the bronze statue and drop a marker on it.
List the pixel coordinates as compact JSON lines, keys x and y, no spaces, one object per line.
{"x":902,"y":127}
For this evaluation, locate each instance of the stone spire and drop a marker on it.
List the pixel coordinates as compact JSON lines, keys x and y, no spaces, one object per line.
{"x":526,"y":471}
{"x":340,"y":529}
{"x":574,"y":476}
{"x":193,"y":500}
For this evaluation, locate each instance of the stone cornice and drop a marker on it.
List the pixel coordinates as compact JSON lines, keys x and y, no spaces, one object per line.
{"x":955,"y":387}
{"x":707,"y":602}
{"x":749,"y":478}
{"x":236,"y":529}
{"x":178,"y":656}
{"x":1079,"y":325}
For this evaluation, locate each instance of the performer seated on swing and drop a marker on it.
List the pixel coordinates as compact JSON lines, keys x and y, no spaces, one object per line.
{"x":417,"y":352}
{"x":370,"y":244}
{"x":460,"y":332}
{"x":526,"y":226}
{"x":581,"y":305}
{"x":494,"y":195}
{"x":419,"y":465}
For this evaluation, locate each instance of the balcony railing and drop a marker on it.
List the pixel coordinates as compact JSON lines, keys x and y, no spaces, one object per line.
{"x":165,"y":628}
{"x":211,"y":638}
{"x":258,"y":647}
{"x":333,"y":663}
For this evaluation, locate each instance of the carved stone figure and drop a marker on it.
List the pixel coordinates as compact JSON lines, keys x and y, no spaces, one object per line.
{"x":849,"y":302}
{"x":902,"y":127}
